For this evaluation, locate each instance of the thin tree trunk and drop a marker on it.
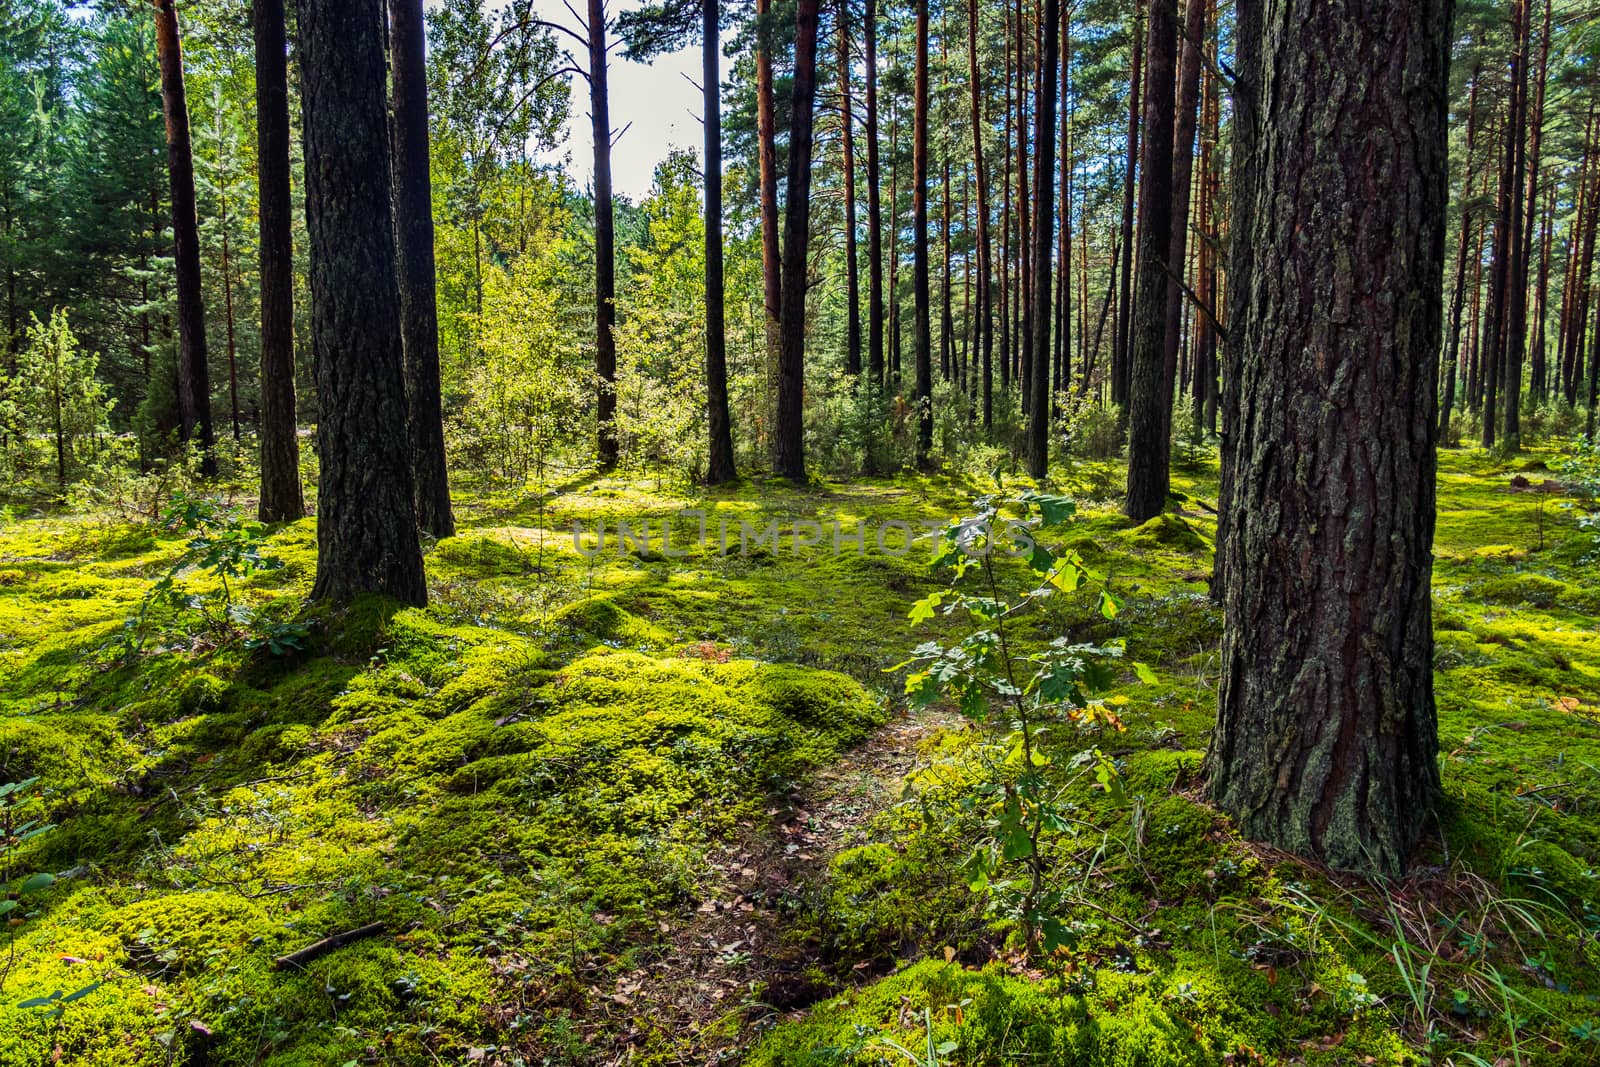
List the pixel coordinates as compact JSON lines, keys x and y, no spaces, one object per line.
{"x":719,"y":423}
{"x":1044,"y":134}
{"x":366,"y":525}
{"x":1540,"y":367}
{"x":1521,"y":242}
{"x":875,"y":363}
{"x":1120,"y":365}
{"x":1185,"y":125}
{"x":194,"y":375}
{"x":1326,"y":741}
{"x":789,"y":457}
{"x":985,"y":294}
{"x":852,"y":338}
{"x":605,"y":266}
{"x":767,"y":155}
{"x":281,"y":498}
{"x":1150,"y":391}
{"x":1458,"y":300}
{"x":1506,"y":244}
{"x":227,"y":317}
{"x":419,"y":314}
{"x":921,"y":326}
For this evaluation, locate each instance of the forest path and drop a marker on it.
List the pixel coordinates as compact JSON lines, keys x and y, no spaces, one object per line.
{"x":727,"y":963}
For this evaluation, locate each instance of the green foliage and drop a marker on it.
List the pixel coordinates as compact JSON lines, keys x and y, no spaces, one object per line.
{"x":53,"y":408}
{"x":1021,"y":800}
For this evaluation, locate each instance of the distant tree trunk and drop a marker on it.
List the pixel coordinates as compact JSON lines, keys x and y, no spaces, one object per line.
{"x":767,"y":165}
{"x":1516,"y":327}
{"x":281,"y":499}
{"x":1022,"y":307}
{"x":1507,"y":218}
{"x":719,"y":423}
{"x":852,"y":336}
{"x":1205,"y":391}
{"x":1458,"y":300}
{"x":1326,"y":741}
{"x":1194,"y":28}
{"x":1248,"y":116}
{"x":1150,"y":391}
{"x":605,"y":264}
{"x":922,"y":333}
{"x":419,"y":316}
{"x":789,"y":458}
{"x":1587,"y":225}
{"x":194,"y":374}
{"x":366,"y":521}
{"x":1530,"y":227}
{"x":985,"y":282}
{"x":229,"y":332}
{"x":1061,"y":378}
{"x":1120,"y":365}
{"x":1540,"y":364}
{"x":874,"y":208}
{"x":1007,"y":241}
{"x":1044,"y":136}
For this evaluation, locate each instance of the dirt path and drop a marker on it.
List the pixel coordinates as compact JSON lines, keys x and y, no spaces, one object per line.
{"x":726,"y":965}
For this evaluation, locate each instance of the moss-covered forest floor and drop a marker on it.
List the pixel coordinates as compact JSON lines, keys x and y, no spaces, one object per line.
{"x":641,"y":807}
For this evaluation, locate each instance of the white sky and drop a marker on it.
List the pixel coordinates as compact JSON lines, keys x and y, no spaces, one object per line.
{"x":662,"y":105}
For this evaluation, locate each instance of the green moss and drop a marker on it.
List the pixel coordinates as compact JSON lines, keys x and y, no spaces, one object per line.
{"x":1168,"y":532}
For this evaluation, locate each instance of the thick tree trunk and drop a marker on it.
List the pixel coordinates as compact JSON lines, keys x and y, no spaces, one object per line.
{"x":789,"y":454}
{"x":194,"y":374}
{"x":847,"y":138}
{"x":985,"y":266}
{"x":1150,"y":391}
{"x":281,"y":499}
{"x":366,"y":523}
{"x":605,"y":264}
{"x":922,"y":332}
{"x":1326,"y":740}
{"x":719,"y":423}
{"x":875,"y":365}
{"x":419,"y":315}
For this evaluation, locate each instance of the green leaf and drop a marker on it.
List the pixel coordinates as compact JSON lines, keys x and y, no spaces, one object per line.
{"x":1146,"y":675}
{"x":1052,"y":508}
{"x":81,"y":993}
{"x":1108,"y":605}
{"x":38,"y":883}
{"x":922,"y":610}
{"x":40,"y":1002}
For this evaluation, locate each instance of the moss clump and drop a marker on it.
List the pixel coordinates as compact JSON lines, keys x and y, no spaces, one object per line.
{"x":600,"y":618}
{"x":1534,"y":590}
{"x":1170,"y":532}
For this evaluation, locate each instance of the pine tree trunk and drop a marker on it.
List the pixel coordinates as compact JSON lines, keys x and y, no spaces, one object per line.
{"x":281,"y":499}
{"x":1044,"y":136}
{"x":1326,"y":740}
{"x":1502,"y":277}
{"x":985,"y":281}
{"x":1516,"y":330}
{"x":194,"y":374}
{"x":1150,"y":392}
{"x":366,"y":523}
{"x":1458,"y":300}
{"x":719,"y":422}
{"x":419,"y":315}
{"x":922,"y":333}
{"x":1186,"y":123}
{"x":767,"y":166}
{"x":1120,"y":367}
{"x":789,"y":456}
{"x":852,"y":335}
{"x":605,"y":264}
{"x":875,"y":363}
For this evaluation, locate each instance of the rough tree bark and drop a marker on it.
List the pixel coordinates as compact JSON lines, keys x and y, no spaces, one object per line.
{"x":789,"y":436}
{"x":1326,"y":739}
{"x":419,"y":315}
{"x":366,"y":526}
{"x":1194,"y":28}
{"x":1149,"y":389}
{"x":194,"y":374}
